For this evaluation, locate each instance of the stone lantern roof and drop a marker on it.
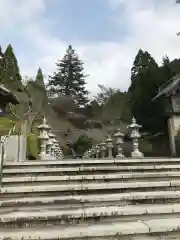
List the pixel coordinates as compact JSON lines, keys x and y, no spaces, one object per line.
{"x":52,"y":135}
{"x":44,"y":125}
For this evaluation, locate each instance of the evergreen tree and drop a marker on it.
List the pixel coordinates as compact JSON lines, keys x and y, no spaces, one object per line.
{"x":11,"y":74}
{"x":166,"y":61}
{"x":37,"y":92}
{"x":69,"y":80}
{"x":40,"y":78}
{"x":1,"y":66}
{"x":144,"y":87}
{"x":142,"y":62}
{"x":166,"y":70}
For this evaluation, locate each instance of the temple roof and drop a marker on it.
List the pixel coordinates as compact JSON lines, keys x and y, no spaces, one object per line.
{"x":7,"y":96}
{"x":169,"y":86}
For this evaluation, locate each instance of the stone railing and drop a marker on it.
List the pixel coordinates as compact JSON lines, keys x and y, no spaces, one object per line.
{"x":105,"y":148}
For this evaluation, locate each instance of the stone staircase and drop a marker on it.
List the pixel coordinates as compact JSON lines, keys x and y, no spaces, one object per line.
{"x":128,"y":199}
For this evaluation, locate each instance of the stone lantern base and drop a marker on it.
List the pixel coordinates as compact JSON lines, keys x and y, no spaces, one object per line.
{"x":137,"y":154}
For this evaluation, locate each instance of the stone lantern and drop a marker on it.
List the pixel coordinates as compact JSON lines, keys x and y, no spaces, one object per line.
{"x":56,"y":145}
{"x":97,"y":148}
{"x":135,"y":135}
{"x":49,"y":147}
{"x":85,"y":156}
{"x":43,"y":138}
{"x":90,"y":153}
{"x":52,"y":149}
{"x":119,"y":141}
{"x":109,"y":142}
{"x":93,"y":152}
{"x":59,"y":153}
{"x":103,"y":149}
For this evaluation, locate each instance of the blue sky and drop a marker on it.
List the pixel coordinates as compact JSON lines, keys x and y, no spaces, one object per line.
{"x":84,"y":20}
{"x":105,"y":33}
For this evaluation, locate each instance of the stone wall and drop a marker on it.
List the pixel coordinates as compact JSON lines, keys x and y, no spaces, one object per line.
{"x":15,"y":148}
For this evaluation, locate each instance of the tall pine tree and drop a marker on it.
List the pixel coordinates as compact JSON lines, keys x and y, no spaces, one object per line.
{"x":1,"y":66}
{"x":37,"y":92}
{"x":11,"y":74}
{"x":40,"y":85}
{"x":69,"y":80}
{"x":144,"y":87}
{"x":40,"y":78}
{"x":142,"y":62}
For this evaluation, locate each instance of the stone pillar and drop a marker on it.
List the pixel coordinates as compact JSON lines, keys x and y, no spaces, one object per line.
{"x":119,"y":141}
{"x":135,"y":135}
{"x":43,"y":138}
{"x":109,"y":146}
{"x":173,"y":126}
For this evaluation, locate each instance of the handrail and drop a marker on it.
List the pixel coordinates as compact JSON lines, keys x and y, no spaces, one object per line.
{"x":2,"y":142}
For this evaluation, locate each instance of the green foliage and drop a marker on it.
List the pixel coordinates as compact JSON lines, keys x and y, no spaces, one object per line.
{"x":105,"y":94}
{"x":11,"y":77}
{"x":65,"y":150}
{"x":6,"y":124}
{"x":142,"y":62}
{"x":69,"y":80}
{"x":37,"y":93}
{"x":144,"y":87}
{"x":110,"y":104}
{"x":82,"y":144}
{"x":145,"y":146}
{"x":32,"y":145}
{"x":39,"y":78}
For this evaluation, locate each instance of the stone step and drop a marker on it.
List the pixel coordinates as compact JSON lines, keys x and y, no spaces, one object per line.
{"x":89,"y":162}
{"x":89,"y":170}
{"x":127,"y":177}
{"x":62,"y":218}
{"x":98,"y":231}
{"x":90,"y":188}
{"x":79,"y":201}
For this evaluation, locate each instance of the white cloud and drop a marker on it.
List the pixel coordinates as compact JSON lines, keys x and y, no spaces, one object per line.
{"x":151,"y":24}
{"x":23,"y":11}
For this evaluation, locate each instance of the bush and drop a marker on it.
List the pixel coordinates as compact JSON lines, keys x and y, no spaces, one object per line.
{"x":145,"y":146}
{"x":82,"y":144}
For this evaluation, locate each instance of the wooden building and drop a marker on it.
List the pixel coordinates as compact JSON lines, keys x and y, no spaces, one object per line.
{"x":171,"y":93}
